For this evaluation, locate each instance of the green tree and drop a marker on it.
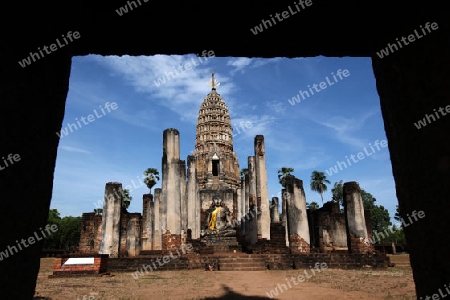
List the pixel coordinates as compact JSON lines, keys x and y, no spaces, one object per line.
{"x":69,"y":233}
{"x":312,"y":206}
{"x":397,"y":215}
{"x":338,"y":192}
{"x":379,"y":215}
{"x":67,"y":236}
{"x":98,"y":211}
{"x":152,"y":178}
{"x":126,"y":199}
{"x":283,"y":173}
{"x":53,"y":216}
{"x":318,"y":183}
{"x":52,"y":241}
{"x":395,"y":235}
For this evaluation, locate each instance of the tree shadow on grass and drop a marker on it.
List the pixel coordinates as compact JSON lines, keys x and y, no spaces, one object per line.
{"x":230,"y":295}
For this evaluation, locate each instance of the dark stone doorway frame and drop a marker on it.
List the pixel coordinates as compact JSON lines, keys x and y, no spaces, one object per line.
{"x":410,"y":82}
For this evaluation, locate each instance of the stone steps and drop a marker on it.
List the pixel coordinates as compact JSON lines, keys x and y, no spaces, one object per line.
{"x":252,"y":262}
{"x":241,"y":263}
{"x":216,"y":244}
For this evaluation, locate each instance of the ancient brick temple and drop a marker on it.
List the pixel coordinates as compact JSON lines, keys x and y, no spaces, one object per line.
{"x":213,"y":204}
{"x":204,"y":200}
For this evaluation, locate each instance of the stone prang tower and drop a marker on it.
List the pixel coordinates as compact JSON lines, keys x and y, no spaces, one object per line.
{"x":213,"y":168}
{"x":216,"y":164}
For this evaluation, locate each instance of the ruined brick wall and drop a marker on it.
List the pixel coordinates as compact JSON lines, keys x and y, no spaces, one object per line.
{"x":90,"y":236}
{"x":358,"y":246}
{"x":133,"y":238}
{"x":170,"y":242}
{"x":124,"y":220}
{"x":328,"y":228}
{"x":298,"y":245}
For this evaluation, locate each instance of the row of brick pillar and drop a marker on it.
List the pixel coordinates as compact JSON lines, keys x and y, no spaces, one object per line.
{"x":295,"y":217}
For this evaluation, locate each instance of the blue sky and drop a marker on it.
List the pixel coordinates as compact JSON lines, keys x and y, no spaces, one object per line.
{"x":118,"y":145}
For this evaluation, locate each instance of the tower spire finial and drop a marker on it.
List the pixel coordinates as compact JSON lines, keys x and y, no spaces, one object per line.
{"x":213,"y":83}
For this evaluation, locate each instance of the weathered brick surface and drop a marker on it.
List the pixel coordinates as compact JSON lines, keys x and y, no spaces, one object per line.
{"x":124,"y":219}
{"x":276,"y":244}
{"x":358,"y":246}
{"x":253,"y":262}
{"x":90,"y":236}
{"x":147,"y":201}
{"x":298,"y":245}
{"x":170,"y":242}
{"x":100,"y":266}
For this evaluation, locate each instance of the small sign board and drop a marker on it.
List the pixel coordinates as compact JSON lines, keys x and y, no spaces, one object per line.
{"x":80,"y":261}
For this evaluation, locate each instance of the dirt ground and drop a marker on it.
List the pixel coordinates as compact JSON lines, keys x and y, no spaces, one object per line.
{"x":392,"y":283}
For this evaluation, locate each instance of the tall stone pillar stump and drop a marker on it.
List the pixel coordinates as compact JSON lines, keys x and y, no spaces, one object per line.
{"x":357,"y":236}
{"x":111,"y":221}
{"x":284,"y":220}
{"x":183,"y":195}
{"x":262,"y":191}
{"x":275,"y":210}
{"x":159,"y":215}
{"x":147,"y":221}
{"x":252,"y":228}
{"x":193,"y":208}
{"x":297,"y":219}
{"x":171,"y":185}
{"x":242,"y":207}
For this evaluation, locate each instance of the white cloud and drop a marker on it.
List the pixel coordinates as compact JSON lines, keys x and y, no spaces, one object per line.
{"x":276,"y":106}
{"x":167,"y":80}
{"x":140,"y":118}
{"x":240,"y":63}
{"x":256,"y":125}
{"x":73,"y":149}
{"x":344,"y":127}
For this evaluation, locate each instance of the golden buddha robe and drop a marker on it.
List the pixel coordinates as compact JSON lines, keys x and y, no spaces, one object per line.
{"x":212,"y":222}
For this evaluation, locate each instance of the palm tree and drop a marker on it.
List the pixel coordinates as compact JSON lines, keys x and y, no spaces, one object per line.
{"x":152,"y":177}
{"x":126,"y":199}
{"x":283,"y":173}
{"x":312,"y":206}
{"x":338,"y":192}
{"x":98,"y":211}
{"x":318,"y":183}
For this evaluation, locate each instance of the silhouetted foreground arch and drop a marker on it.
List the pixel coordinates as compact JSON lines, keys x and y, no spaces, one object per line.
{"x":411,"y":82}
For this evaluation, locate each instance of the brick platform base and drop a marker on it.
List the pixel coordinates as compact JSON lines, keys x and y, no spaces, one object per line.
{"x":60,"y":270}
{"x":255,"y":262}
